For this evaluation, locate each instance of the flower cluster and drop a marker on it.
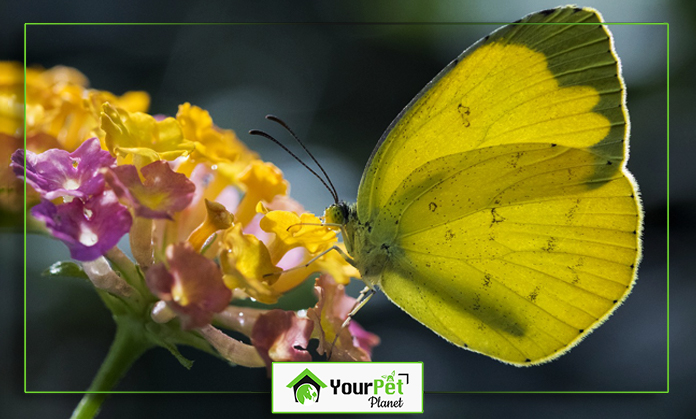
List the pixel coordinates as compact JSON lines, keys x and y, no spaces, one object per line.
{"x":61,"y":112}
{"x":208,"y":222}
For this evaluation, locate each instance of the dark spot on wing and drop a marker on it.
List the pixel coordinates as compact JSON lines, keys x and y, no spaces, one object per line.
{"x":497,"y":218}
{"x":513,"y":162}
{"x":464,"y":111}
{"x":550,"y":245}
{"x":534,"y":294}
{"x":487,"y":280}
{"x":477,"y":302}
{"x":571,"y":212}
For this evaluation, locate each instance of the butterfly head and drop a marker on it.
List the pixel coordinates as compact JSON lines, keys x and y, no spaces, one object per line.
{"x":337,"y":213}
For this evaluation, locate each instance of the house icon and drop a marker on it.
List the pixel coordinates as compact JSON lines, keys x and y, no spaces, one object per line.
{"x":306,"y":387}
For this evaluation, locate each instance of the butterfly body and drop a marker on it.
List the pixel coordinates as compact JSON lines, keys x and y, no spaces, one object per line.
{"x":370,"y":256}
{"x":496,"y":209}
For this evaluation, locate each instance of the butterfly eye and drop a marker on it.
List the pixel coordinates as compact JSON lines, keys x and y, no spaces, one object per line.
{"x":345,"y":211}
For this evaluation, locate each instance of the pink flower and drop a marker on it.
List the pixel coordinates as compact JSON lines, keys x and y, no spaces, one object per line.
{"x":282,"y":336}
{"x":89,"y":228}
{"x":191,"y":284}
{"x":56,"y":173}
{"x":163,"y":192}
{"x":329,"y":314}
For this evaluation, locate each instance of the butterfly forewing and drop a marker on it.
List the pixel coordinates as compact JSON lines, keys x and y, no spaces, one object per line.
{"x":524,"y":83}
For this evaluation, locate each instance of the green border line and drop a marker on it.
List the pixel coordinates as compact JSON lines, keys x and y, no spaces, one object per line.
{"x":667,"y":207}
{"x":24,"y":216}
{"x":326,"y":23}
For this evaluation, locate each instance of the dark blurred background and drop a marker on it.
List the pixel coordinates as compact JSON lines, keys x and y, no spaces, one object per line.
{"x":339,"y":86}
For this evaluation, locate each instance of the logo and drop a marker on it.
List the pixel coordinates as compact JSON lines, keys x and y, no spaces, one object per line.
{"x":306,"y":387}
{"x":347,"y":387}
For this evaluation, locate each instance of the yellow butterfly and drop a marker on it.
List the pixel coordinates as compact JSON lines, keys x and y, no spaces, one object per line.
{"x":497,"y":209}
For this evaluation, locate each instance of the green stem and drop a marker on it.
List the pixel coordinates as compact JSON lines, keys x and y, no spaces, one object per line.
{"x":129,"y":343}
{"x":128,"y":269}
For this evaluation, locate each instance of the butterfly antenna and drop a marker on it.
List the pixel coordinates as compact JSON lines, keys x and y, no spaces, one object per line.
{"x":284,"y":125}
{"x":268,"y":136}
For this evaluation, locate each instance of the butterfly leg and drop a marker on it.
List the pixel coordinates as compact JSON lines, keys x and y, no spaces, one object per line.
{"x":362,"y":299}
{"x":315,"y":258}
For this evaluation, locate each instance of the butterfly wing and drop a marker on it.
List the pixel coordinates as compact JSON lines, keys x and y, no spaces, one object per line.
{"x":501,"y":190}
{"x":511,"y":253}
{"x":522,"y":83}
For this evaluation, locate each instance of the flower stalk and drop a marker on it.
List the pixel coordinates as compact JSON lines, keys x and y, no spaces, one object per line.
{"x":128,"y":345}
{"x":231,"y":349}
{"x":141,"y":242}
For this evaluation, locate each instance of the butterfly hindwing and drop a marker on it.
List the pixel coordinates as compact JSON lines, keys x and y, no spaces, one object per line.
{"x":519,"y":267}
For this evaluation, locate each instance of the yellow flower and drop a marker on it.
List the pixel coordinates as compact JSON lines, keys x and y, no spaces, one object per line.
{"x":73,"y":114}
{"x":12,"y":98}
{"x":58,"y":104}
{"x":215,"y":147}
{"x":11,"y":115}
{"x":39,"y":78}
{"x":217,"y":218}
{"x":64,"y":117}
{"x":246,"y":264}
{"x":294,"y":231}
{"x":262,"y":181}
{"x":142,"y":137}
{"x":11,"y":76}
{"x":94,"y":100}
{"x":216,"y":144}
{"x":331,"y":263}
